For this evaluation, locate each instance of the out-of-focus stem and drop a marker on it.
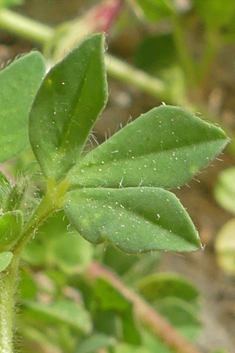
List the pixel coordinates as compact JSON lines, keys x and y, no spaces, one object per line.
{"x":127,"y":73}
{"x":25,"y":27}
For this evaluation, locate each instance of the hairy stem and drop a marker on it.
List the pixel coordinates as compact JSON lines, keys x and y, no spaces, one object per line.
{"x":52,"y":202}
{"x":160,"y":326}
{"x":8,"y":279}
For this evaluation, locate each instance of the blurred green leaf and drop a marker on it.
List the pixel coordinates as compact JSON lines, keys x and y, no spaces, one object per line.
{"x":4,"y":187}
{"x":6,"y":3}
{"x":27,"y":287}
{"x":19,"y":83}
{"x":118,"y":261}
{"x":225,"y":190}
{"x":159,"y":286}
{"x":165,"y":65}
{"x":133,"y":219}
{"x":130,"y":330}
{"x":5,"y":259}
{"x":71,"y":252}
{"x":164,"y":147}
{"x":216,"y":13}
{"x":109,"y":298}
{"x":147,"y":55}
{"x":57,"y":243}
{"x":62,"y":312}
{"x":66,"y":107}
{"x":181,"y":315}
{"x":11,"y":225}
{"x":154,"y":344}
{"x":94,"y":343}
{"x":156,"y":10}
{"x":128,"y":348}
{"x":225,"y":247}
{"x":35,"y":253}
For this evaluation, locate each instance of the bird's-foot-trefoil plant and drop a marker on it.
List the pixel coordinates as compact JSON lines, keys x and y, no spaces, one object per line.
{"x":117,"y":193}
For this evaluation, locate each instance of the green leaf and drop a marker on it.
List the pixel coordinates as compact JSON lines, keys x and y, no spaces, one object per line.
{"x":147,"y":54}
{"x":132,"y":219}
{"x":154,"y":344}
{"x":6,"y":3}
{"x":58,"y":244}
{"x":155,"y":10}
{"x":109,"y":298}
{"x":221,"y":10}
{"x":164,"y":66}
{"x":164,"y":148}
{"x":27,"y":287}
{"x":66,"y":107}
{"x":180,"y":315}
{"x":128,"y":348}
{"x":71,"y":252}
{"x":225,"y":247}
{"x":62,"y":312}
{"x":11,"y":224}
{"x":4,"y":188}
{"x":94,"y":343}
{"x":225,"y":190}
{"x":19,"y":83}
{"x":159,"y":286}
{"x":5,"y":259}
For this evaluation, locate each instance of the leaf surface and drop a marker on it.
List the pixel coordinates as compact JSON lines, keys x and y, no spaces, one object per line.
{"x":62,"y":312}
{"x":163,"y":148}
{"x":225,"y":190}
{"x":5,"y":259}
{"x":225,"y":247}
{"x":11,"y":224}
{"x":66,"y":107}
{"x":19,"y":83}
{"x":155,"y":10}
{"x":159,"y":286}
{"x":132,"y":219}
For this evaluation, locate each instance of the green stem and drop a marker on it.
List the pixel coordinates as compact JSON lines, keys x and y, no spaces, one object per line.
{"x":212,"y":44}
{"x":24,"y":27}
{"x":8,"y":279}
{"x":183,"y":53}
{"x":52,"y":202}
{"x":127,"y":73}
